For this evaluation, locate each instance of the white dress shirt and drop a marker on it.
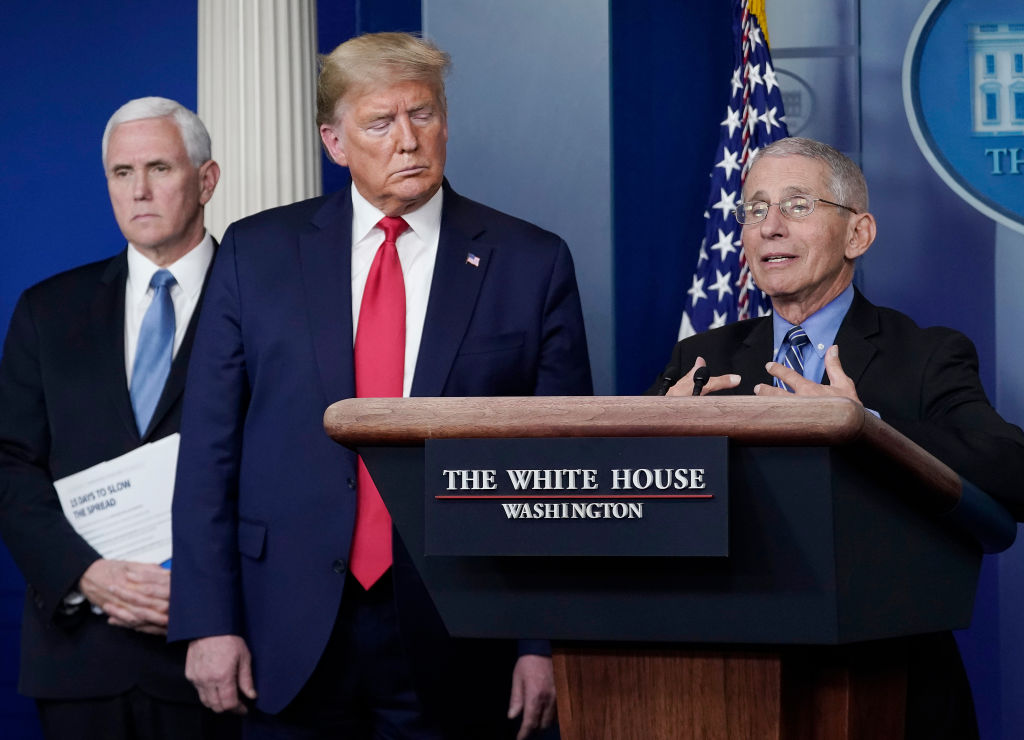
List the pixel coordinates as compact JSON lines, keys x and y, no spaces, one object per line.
{"x":189,"y":273}
{"x":417,"y":251}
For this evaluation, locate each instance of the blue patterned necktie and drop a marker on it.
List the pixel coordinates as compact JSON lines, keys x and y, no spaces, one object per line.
{"x":797,"y":339}
{"x":154,"y":350}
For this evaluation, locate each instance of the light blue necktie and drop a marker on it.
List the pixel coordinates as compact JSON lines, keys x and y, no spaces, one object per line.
{"x":797,"y":339}
{"x":154,"y":350}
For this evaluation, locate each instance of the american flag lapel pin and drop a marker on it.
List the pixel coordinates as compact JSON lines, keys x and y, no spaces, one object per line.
{"x":472,"y":259}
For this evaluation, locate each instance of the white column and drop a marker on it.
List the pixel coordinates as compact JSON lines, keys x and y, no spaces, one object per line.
{"x":257,"y":97}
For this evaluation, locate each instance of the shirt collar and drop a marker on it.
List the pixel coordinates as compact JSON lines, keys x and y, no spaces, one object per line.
{"x":821,"y":326}
{"x":189,"y":271}
{"x":424,"y":221}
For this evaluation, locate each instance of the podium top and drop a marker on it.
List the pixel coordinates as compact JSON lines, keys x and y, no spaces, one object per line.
{"x":356,"y":422}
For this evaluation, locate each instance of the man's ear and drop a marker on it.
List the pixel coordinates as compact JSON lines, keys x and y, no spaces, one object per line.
{"x":332,"y":143}
{"x":209,"y":176}
{"x":862,"y":229}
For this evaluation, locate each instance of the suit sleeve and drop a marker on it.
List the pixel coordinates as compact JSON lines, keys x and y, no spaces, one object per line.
{"x":205,"y":588}
{"x":564,"y":366}
{"x":958,"y":425}
{"x":46,"y":548}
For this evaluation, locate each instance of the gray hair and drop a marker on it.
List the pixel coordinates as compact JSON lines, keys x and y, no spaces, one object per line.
{"x":374,"y":58}
{"x":847,"y":183}
{"x":193,"y":132}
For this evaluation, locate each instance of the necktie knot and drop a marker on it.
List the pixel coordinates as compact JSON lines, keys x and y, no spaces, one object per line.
{"x":162,"y":279}
{"x":797,"y":337}
{"x":393,"y":228}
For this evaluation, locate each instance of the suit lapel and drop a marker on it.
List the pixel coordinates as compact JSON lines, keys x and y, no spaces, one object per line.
{"x":108,"y":335}
{"x":326,"y":262}
{"x":752,"y":353}
{"x":855,"y":349}
{"x":453,"y":294}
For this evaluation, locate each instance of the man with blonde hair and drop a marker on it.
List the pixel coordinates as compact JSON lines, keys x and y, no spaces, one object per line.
{"x":93,"y":368}
{"x":302,"y":609}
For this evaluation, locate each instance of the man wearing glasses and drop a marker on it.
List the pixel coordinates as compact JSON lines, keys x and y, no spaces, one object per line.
{"x":805,"y":222}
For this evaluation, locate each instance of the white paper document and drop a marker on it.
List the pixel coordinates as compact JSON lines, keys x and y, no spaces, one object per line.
{"x":122,"y":507}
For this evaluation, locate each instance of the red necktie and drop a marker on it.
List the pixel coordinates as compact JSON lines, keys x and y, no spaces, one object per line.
{"x":380,"y":371}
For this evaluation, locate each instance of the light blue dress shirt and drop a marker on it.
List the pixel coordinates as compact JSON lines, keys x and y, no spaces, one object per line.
{"x":821,"y":328}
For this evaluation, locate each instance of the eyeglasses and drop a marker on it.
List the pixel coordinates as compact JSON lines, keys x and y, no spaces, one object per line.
{"x":795,"y":206}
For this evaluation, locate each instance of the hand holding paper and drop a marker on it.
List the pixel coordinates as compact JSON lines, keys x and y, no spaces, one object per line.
{"x":133,"y":595}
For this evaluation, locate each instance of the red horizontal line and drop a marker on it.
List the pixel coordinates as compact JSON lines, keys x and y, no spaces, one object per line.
{"x":573,"y":496}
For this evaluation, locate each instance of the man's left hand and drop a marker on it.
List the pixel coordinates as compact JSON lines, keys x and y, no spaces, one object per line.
{"x":533,"y":694}
{"x":133,"y":595}
{"x":840,"y":383}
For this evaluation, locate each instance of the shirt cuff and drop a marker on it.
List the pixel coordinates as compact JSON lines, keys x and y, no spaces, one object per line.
{"x":71,"y":603}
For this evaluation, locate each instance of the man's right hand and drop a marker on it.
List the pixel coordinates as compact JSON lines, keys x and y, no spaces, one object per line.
{"x":132,"y":595}
{"x":684,"y":386}
{"x":220,"y":667}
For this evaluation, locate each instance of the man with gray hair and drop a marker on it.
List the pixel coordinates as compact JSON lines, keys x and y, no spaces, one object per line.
{"x":805,"y":222}
{"x":93,"y":368}
{"x":301,"y":608}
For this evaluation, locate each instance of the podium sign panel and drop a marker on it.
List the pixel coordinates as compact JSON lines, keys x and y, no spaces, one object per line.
{"x":577,"y":497}
{"x":823,"y":557}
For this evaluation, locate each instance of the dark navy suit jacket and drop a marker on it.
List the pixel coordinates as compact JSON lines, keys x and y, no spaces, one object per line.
{"x":65,"y":406}
{"x":265,"y":502}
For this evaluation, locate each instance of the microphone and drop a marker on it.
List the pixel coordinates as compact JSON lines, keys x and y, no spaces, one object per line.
{"x":669,"y":380}
{"x":700,"y":378}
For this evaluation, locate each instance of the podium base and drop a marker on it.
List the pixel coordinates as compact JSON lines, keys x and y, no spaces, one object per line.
{"x":628,"y":692}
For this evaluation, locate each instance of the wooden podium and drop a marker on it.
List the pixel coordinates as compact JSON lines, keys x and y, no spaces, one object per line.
{"x":845,"y":538}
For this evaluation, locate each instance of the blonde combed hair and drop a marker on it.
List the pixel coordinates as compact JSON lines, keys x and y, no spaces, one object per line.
{"x":378,"y":58}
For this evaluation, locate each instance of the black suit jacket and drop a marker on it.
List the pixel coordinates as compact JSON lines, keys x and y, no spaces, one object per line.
{"x":925,"y":383}
{"x":65,"y":406}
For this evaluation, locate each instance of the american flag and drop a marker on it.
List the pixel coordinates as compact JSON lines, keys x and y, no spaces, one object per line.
{"x":722,"y":289}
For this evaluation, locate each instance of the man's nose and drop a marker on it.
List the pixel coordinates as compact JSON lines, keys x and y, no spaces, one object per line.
{"x":774,"y":223}
{"x":140,"y":186}
{"x":405,"y":134}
